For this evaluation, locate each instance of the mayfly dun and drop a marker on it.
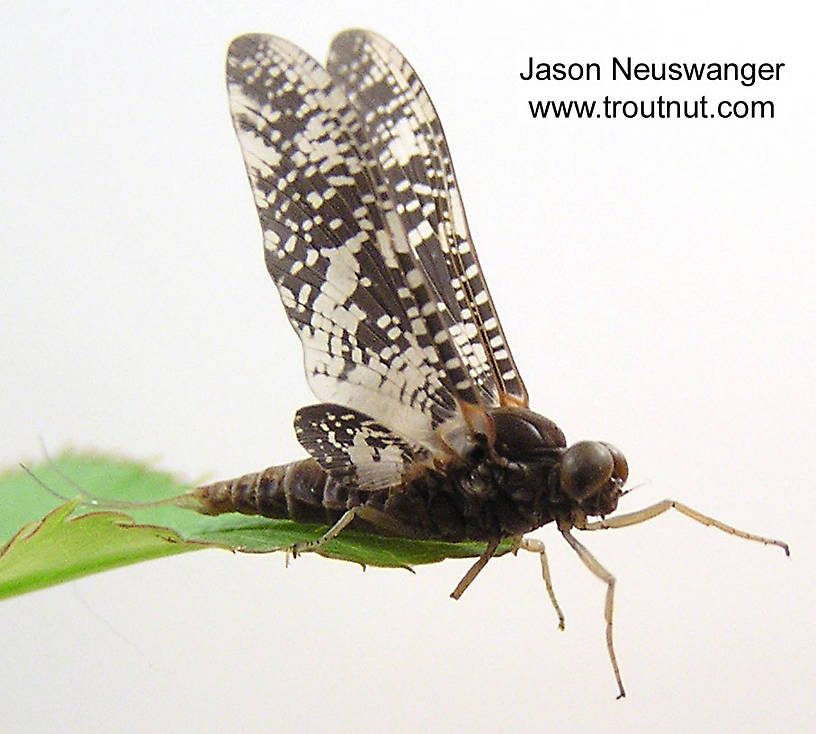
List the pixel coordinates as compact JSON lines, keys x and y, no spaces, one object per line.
{"x":425,"y":430}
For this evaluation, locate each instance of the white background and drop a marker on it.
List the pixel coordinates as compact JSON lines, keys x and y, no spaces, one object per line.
{"x":655,"y":280}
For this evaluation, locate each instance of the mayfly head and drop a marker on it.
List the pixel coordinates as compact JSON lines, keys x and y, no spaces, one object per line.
{"x":592,"y":473}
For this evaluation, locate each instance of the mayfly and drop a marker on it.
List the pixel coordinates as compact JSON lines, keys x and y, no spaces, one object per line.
{"x":425,"y":431}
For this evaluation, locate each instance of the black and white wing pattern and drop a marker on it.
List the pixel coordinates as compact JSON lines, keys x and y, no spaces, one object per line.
{"x":353,"y":446}
{"x":390,"y":309}
{"x":408,"y":141}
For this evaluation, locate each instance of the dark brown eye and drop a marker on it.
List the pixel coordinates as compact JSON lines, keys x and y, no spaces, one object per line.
{"x":621,"y":470}
{"x":586,"y":467}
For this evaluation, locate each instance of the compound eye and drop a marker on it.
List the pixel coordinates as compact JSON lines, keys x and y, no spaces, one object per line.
{"x":621,"y":470}
{"x":586,"y":467}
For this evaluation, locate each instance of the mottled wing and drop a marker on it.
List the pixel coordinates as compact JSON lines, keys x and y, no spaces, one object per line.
{"x":409,"y":145}
{"x":353,"y":447}
{"x":373,"y":334}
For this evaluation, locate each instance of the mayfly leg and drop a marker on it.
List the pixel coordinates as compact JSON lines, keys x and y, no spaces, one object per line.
{"x":536,"y":546}
{"x":368,"y":514}
{"x":635,"y":518}
{"x":652,"y":511}
{"x":594,"y":565}
{"x":475,"y":569}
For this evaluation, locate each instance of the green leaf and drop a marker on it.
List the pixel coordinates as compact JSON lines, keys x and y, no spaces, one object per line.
{"x":50,"y":541}
{"x":59,"y":548}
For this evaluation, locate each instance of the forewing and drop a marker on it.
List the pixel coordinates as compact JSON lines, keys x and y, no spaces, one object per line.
{"x":409,"y":145}
{"x":353,"y":447}
{"x":372,"y":337}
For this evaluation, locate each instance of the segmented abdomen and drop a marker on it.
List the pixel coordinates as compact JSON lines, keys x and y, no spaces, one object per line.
{"x":428,"y":505}
{"x":300,"y":491}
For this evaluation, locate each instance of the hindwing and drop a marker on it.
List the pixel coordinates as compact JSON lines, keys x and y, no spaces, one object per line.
{"x":353,"y":447}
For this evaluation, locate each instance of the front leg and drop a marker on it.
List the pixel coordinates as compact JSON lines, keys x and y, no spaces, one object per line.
{"x":652,"y":511}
